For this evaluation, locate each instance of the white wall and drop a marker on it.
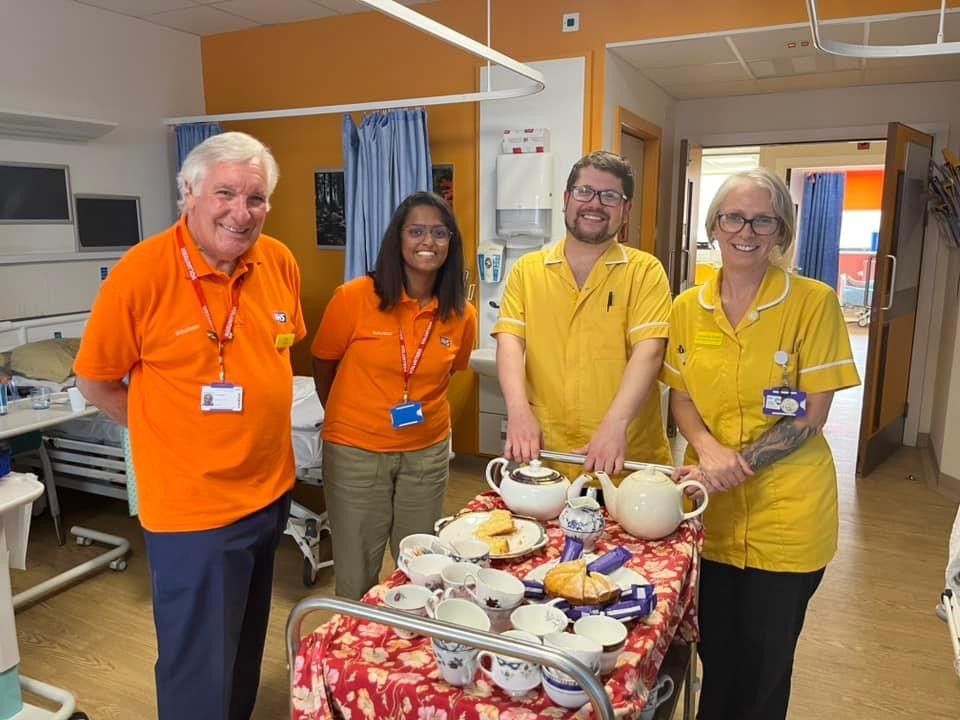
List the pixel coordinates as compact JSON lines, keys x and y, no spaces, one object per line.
{"x":626,"y":87}
{"x":860,"y":113}
{"x":65,"y":58}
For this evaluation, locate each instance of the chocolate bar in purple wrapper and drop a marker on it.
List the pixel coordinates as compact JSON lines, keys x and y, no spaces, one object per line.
{"x":641,"y":592}
{"x":631,"y":609}
{"x":533,"y":590}
{"x":579,"y":611}
{"x":610,"y":561}
{"x":572,"y":549}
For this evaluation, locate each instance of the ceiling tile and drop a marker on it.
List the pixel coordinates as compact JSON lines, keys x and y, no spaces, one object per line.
{"x":676,"y":53}
{"x":815,"y":81}
{"x":762,"y":68}
{"x":343,"y":7}
{"x":201,"y":20}
{"x":275,"y":11}
{"x":932,"y":72}
{"x":715,"y":72}
{"x":704,"y":90}
{"x":139,"y":8}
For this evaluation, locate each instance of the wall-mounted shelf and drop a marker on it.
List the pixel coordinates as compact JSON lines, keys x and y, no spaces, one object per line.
{"x":57,"y":128}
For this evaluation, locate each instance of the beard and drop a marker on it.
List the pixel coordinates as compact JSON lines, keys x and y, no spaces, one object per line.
{"x":599,"y":237}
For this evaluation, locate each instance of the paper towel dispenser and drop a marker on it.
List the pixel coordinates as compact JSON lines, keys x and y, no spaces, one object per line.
{"x":524,"y":196}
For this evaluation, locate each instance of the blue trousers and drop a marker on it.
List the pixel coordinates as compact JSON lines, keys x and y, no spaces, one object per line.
{"x":211,"y":606}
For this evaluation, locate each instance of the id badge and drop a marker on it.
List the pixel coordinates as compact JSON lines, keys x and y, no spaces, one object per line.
{"x":221,"y":397}
{"x":406,"y":414}
{"x":785,"y":402}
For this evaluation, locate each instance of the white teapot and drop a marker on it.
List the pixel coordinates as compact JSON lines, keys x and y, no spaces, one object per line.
{"x":534,"y":489}
{"x":648,"y":504}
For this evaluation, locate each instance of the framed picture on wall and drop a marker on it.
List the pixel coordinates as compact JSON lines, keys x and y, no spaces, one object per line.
{"x":443,"y":183}
{"x":331,"y":209}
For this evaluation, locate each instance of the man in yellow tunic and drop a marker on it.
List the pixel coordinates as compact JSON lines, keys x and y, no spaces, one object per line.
{"x":582,"y":332}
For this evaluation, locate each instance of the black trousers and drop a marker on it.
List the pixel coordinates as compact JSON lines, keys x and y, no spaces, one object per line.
{"x":750,"y":621}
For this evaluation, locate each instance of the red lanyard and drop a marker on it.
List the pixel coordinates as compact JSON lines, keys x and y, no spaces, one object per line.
{"x":408,"y":372}
{"x":227,"y":334}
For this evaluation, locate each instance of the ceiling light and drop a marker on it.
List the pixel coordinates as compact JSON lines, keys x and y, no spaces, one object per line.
{"x":880,"y":51}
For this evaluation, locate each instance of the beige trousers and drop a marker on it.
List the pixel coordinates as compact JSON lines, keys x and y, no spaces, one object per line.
{"x":374,"y":497}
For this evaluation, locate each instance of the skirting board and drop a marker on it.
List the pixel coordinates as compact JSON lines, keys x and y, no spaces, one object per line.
{"x":946,"y":485}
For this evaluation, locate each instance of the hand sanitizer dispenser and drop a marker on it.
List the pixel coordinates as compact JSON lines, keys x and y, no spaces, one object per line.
{"x":490,"y":262}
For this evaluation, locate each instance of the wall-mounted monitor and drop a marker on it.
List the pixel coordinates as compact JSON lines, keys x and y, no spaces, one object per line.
{"x":107,"y":222}
{"x":34,"y":193}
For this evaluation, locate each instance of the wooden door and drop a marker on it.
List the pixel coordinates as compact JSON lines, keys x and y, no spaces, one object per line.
{"x":893,"y":310}
{"x":683,"y":250}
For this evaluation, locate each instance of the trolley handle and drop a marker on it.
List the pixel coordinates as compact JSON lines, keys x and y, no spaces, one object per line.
{"x":491,"y":642}
{"x":576,"y":459}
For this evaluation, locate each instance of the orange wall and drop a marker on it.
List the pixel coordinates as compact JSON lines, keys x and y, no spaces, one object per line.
{"x":367,"y":56}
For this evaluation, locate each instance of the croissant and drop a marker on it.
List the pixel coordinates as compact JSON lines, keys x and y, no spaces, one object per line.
{"x":571,"y":582}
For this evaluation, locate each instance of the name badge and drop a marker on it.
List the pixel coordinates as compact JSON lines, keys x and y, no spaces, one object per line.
{"x":708,"y":338}
{"x":406,"y":414}
{"x":221,"y":397}
{"x":784,"y":402}
{"x":284,"y":340}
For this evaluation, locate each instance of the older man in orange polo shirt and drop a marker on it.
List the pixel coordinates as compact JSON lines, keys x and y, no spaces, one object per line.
{"x":201,"y":318}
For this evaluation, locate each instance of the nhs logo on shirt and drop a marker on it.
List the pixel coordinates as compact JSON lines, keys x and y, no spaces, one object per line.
{"x":280,"y":316}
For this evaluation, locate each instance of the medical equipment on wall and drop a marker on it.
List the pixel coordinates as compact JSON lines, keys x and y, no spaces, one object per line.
{"x":524,"y":198}
{"x":490,"y":262}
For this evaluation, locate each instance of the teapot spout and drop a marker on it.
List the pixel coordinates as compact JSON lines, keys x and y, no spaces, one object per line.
{"x":609,"y":492}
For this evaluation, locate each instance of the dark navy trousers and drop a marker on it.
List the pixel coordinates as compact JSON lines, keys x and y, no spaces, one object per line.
{"x":211,"y":606}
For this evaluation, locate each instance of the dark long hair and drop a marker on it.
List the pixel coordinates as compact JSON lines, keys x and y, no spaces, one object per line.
{"x":389,"y":275}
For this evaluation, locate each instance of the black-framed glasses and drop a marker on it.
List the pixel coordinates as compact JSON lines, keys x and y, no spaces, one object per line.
{"x":761,"y":224}
{"x":439,"y":233}
{"x":585,"y":193}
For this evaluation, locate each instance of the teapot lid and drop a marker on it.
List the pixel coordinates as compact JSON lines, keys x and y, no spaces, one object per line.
{"x":536,"y":473}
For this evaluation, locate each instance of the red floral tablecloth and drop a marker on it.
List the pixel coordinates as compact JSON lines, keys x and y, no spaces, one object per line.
{"x":348,"y":668}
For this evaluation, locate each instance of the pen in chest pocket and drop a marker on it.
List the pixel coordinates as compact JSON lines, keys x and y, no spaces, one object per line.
{"x":609,"y":300}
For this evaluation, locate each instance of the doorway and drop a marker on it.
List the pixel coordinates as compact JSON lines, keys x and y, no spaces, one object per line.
{"x":639,"y":140}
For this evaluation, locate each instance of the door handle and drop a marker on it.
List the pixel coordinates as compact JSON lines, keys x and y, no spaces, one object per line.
{"x":893,"y":281}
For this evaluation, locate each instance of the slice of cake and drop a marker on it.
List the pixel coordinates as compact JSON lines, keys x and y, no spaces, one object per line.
{"x":500,"y":522}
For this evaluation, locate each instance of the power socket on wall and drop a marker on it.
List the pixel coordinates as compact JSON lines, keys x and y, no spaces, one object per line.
{"x":571,"y":22}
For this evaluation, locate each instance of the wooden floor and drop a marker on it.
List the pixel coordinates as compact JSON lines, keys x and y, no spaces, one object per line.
{"x":872,"y":647}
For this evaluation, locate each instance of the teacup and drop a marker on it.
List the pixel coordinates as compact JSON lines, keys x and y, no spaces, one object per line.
{"x":539,"y":620}
{"x":425,"y":570}
{"x":471,"y":551}
{"x":609,"y":632}
{"x":560,"y":687}
{"x":494,"y":589}
{"x":457,"y":662}
{"x":418,"y":544}
{"x":413,"y":599}
{"x":513,"y":675}
{"x":453,"y":576}
{"x":661,"y":691}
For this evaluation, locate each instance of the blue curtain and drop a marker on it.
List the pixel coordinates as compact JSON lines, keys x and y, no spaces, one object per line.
{"x":191,"y":135}
{"x":384,"y":160}
{"x":820,"y":218}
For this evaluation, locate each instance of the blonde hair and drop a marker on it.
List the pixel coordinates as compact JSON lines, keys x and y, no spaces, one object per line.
{"x":780,"y":197}
{"x":228,"y":147}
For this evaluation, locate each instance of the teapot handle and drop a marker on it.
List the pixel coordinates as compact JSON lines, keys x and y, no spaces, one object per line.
{"x":491,"y":470}
{"x":698,"y":510}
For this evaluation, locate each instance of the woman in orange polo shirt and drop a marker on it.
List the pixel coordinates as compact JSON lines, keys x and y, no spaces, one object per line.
{"x":382,"y":357}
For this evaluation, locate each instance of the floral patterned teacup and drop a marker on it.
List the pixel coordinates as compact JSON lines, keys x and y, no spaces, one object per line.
{"x":453,"y":576}
{"x":457,"y":662}
{"x":513,"y":675}
{"x":494,"y":590}
{"x":471,"y":551}
{"x":412,"y":599}
{"x":425,"y":570}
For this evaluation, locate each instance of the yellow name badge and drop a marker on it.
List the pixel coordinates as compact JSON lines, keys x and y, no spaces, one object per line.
{"x":284,"y":340}
{"x":708,"y":338}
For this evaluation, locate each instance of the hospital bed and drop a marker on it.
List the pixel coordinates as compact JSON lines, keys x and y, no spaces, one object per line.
{"x":87,"y":453}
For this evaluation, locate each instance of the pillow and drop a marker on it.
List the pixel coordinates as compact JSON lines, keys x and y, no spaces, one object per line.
{"x":45,"y":359}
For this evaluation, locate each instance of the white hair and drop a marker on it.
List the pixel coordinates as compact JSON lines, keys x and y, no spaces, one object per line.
{"x":228,"y":147}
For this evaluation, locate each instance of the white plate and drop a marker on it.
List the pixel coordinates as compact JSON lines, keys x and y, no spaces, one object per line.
{"x":527,"y":538}
{"x":624,"y":577}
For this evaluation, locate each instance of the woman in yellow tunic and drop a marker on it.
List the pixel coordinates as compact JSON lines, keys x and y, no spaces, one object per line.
{"x":753,"y":360}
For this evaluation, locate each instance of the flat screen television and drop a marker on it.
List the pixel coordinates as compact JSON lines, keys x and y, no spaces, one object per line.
{"x":32,"y":193}
{"x":107,"y":222}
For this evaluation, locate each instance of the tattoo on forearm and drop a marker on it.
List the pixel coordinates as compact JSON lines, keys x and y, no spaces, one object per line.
{"x":778,"y":442}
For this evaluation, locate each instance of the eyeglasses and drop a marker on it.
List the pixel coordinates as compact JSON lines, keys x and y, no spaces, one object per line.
{"x":761,"y":224}
{"x":585,"y":193}
{"x":439,"y":233}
